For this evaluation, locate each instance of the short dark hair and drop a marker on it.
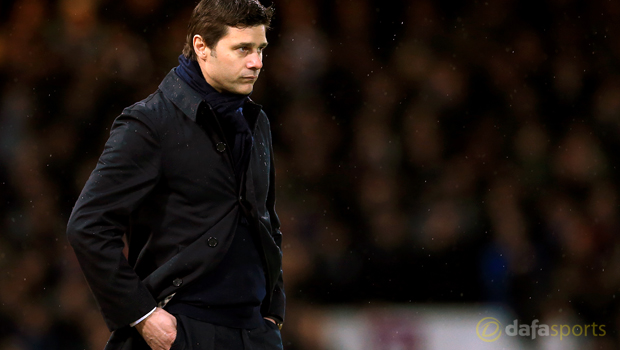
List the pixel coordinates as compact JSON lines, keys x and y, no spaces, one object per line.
{"x":211,"y":19}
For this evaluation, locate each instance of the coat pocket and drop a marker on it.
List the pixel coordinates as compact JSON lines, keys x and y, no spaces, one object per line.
{"x":179,"y":341}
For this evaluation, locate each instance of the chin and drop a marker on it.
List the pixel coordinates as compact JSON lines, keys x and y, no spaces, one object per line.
{"x":239,"y":90}
{"x":244,"y":91}
{"x":245,"y":88}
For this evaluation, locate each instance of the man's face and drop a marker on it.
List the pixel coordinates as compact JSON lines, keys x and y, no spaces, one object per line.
{"x":235,"y":62}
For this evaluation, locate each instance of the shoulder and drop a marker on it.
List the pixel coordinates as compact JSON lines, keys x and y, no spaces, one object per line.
{"x":156,"y":106}
{"x":263,"y":121}
{"x":263,"y":130}
{"x":154,"y":111}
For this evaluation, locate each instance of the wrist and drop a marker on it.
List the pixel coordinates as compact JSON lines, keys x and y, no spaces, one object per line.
{"x":139,"y":324}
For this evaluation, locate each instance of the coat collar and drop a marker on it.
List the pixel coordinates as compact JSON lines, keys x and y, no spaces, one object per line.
{"x":182,"y":95}
{"x":189,"y":100}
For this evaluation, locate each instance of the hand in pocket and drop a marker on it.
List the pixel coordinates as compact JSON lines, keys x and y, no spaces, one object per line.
{"x":159,"y":329}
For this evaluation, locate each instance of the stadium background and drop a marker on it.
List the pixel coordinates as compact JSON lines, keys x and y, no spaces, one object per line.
{"x":429,"y":153}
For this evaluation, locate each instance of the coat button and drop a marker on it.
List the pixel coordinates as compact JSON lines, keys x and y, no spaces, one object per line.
{"x":177,"y":282}
{"x":212,"y":242}
{"x":221,"y":146}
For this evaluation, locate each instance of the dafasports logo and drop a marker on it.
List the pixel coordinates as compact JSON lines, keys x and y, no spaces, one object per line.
{"x":489,"y":329}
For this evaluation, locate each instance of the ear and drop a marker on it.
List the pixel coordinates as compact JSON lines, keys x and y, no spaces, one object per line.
{"x":201,"y":48}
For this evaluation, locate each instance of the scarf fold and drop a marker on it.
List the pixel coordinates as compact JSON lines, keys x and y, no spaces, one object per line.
{"x":227,"y":106}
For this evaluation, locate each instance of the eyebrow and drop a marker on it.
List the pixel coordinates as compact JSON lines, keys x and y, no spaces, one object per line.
{"x":252,"y":44}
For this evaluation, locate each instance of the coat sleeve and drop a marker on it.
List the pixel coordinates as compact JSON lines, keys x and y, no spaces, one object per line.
{"x":278,"y":300}
{"x":126,"y":172}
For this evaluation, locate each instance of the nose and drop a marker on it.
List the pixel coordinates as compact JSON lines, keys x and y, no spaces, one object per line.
{"x":255,"y":61}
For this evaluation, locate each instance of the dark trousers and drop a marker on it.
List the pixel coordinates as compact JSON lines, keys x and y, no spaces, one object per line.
{"x":197,"y":335}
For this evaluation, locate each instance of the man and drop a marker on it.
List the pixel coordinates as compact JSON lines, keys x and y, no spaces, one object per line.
{"x":188,"y":176}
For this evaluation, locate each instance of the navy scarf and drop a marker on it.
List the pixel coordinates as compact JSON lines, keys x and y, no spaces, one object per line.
{"x":227,"y":106}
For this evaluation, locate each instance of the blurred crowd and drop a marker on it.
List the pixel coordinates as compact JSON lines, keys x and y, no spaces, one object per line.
{"x":427,"y":152}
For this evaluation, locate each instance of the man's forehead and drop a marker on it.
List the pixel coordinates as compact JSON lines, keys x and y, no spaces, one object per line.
{"x":251,"y":35}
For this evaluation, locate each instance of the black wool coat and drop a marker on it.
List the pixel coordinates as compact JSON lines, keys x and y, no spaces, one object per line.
{"x":166,"y":180}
